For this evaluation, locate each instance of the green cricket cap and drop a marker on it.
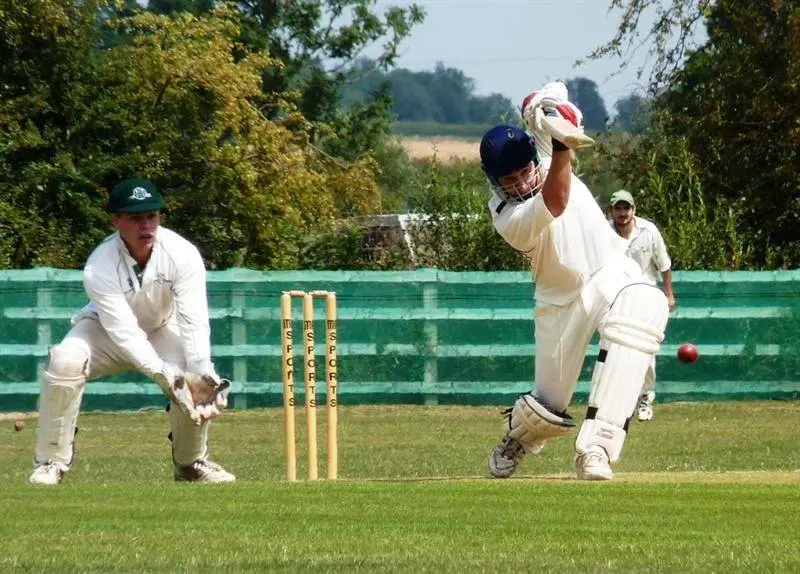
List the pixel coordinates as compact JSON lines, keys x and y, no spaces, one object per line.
{"x":134,"y":196}
{"x":621,"y":195}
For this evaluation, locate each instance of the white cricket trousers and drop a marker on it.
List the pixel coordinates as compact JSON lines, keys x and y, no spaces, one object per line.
{"x":189,"y":442}
{"x":563,"y":332}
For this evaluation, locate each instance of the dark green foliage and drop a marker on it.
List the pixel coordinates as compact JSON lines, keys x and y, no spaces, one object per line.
{"x":454,"y":230}
{"x":444,"y":95}
{"x":450,"y":225}
{"x":46,"y":194}
{"x":736,"y":103}
{"x":633,"y":114}
{"x":355,"y":246}
{"x":361,"y":129}
{"x":85,"y":102}
{"x":595,"y":166}
{"x":82,"y":104}
{"x":702,"y":231}
{"x":720,"y":171}
{"x":177,"y":6}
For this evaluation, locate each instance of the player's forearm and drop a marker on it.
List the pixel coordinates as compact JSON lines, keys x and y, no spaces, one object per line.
{"x":555,"y":190}
{"x":666,"y":277}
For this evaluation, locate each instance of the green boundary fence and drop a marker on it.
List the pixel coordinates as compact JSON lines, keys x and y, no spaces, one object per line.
{"x":423,"y":336}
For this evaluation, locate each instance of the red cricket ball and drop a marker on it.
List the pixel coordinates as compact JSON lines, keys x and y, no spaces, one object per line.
{"x":687,"y":353}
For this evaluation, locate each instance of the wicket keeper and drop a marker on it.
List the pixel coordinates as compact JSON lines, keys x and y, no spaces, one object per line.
{"x":147,"y":312}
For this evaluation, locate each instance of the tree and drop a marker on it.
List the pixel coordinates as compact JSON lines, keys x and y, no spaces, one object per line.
{"x":175,"y":7}
{"x":732,"y":108}
{"x":736,"y":102}
{"x":492,"y":109}
{"x":444,"y":95}
{"x":669,"y":39}
{"x":411,"y":100}
{"x":317,"y":42}
{"x":173,"y":104}
{"x":45,"y":64}
{"x":583,"y":93}
{"x":633,"y":114}
{"x":451,"y":89}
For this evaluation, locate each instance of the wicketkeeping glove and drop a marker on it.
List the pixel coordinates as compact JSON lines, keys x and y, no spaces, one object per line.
{"x":200,"y":397}
{"x":209,"y":393}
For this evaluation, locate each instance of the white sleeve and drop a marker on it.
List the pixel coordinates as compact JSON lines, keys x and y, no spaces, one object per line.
{"x":520,"y":224}
{"x":117,"y":318}
{"x":660,"y":255}
{"x":191,"y":306}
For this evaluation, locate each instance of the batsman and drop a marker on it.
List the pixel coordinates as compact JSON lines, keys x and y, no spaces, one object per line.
{"x":584,"y":283}
{"x":148,"y":312}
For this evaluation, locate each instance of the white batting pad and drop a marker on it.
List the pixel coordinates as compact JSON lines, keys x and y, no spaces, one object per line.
{"x":595,"y":432}
{"x":61,"y":391}
{"x":531,"y":423}
{"x":630,"y":335}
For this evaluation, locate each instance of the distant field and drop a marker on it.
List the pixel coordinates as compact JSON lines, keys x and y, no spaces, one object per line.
{"x":446,"y":149}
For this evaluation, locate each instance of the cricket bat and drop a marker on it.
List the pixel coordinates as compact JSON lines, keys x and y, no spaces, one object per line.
{"x":565,"y":132}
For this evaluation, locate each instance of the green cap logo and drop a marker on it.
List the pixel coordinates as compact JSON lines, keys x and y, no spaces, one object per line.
{"x":140,"y":193}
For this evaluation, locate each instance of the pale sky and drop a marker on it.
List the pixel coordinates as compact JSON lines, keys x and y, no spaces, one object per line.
{"x":512,"y":47}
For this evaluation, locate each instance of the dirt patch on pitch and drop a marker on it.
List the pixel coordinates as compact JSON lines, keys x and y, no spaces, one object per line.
{"x":697,"y":477}
{"x":737,"y":477}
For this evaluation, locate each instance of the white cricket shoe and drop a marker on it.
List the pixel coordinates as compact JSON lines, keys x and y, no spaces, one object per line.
{"x":593,"y":465}
{"x":203,"y":470}
{"x":48,"y":473}
{"x":505,"y":457}
{"x":644,"y":408}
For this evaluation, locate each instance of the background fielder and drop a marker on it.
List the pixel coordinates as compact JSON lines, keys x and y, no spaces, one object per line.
{"x":148,"y":312}
{"x":645,"y":246}
{"x":584,"y":283}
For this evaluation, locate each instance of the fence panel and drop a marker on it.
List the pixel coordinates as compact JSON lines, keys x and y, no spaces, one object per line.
{"x":420,"y":337}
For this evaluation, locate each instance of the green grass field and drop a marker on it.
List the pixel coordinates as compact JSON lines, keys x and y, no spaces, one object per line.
{"x":702,"y":488}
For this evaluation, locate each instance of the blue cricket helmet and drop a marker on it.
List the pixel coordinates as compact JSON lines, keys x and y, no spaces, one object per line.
{"x":504,"y":150}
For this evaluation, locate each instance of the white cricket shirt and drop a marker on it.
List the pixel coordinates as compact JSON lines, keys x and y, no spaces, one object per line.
{"x":646,"y":246}
{"x":172,"y":289}
{"x":565,"y":250}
